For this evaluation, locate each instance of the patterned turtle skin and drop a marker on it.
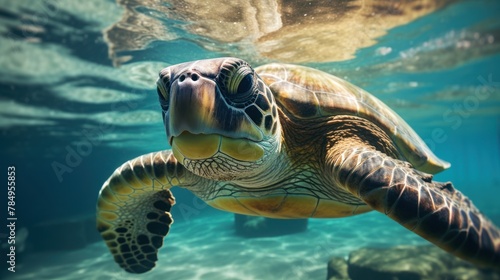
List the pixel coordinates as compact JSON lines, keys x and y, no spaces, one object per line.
{"x":283,"y":141}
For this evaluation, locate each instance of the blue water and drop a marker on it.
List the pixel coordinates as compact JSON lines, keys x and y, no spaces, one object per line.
{"x":68,"y":117}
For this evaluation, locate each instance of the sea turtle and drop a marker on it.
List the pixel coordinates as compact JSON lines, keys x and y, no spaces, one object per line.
{"x":283,"y":141}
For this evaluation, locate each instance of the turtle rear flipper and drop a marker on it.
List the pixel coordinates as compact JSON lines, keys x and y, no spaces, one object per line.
{"x":436,"y":211}
{"x":133,"y":209}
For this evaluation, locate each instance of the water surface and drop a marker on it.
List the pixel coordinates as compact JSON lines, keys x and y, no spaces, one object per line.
{"x":76,"y":102}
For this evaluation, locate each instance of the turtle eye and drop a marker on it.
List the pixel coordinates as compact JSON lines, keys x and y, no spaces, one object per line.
{"x":238,"y":81}
{"x":245,"y":84}
{"x":161,"y":90}
{"x":163,"y":84}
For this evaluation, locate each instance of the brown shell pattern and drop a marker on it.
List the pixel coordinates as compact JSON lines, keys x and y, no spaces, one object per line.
{"x":309,"y":93}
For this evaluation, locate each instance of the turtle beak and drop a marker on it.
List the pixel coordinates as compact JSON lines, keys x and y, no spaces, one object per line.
{"x":192,"y":105}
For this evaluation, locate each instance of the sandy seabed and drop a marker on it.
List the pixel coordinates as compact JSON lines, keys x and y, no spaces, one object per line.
{"x":207,"y":248}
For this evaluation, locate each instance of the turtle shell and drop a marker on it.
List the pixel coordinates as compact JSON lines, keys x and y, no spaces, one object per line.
{"x":308,"y":93}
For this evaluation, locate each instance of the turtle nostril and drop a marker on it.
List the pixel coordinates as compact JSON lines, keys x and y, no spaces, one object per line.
{"x":194,"y":77}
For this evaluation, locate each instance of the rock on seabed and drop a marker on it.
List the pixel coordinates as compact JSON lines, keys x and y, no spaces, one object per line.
{"x":405,"y":263}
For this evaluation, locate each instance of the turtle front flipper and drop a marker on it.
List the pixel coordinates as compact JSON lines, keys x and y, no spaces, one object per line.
{"x":133,"y":208}
{"x":436,"y":211}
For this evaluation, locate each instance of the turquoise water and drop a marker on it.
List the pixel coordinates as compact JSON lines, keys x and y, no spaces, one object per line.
{"x":69,"y":117}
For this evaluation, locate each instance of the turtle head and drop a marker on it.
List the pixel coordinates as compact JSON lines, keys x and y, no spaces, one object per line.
{"x":220,"y":117}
